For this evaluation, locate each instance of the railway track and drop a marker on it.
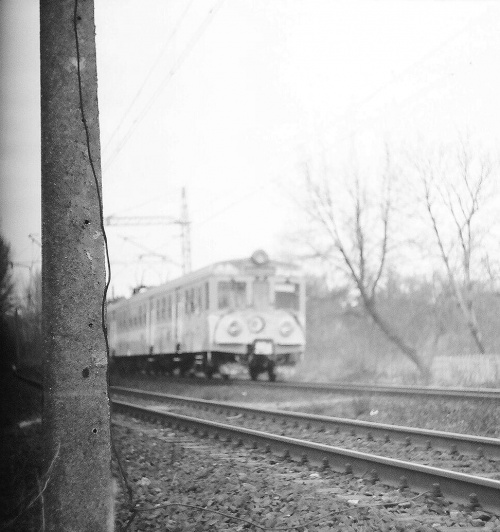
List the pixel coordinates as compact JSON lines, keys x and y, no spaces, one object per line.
{"x":482,"y":394}
{"x":448,"y":393}
{"x":452,"y":443}
{"x":458,"y":487}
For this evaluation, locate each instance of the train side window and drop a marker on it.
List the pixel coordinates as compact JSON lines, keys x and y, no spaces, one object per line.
{"x":199,"y":305}
{"x":286,"y":295}
{"x":231,"y":294}
{"x":192,"y":305}
{"x":194,"y":300}
{"x":207,"y":295}
{"x":223,"y":294}
{"x":177,"y":303}
{"x":170,"y":307}
{"x":163,"y":308}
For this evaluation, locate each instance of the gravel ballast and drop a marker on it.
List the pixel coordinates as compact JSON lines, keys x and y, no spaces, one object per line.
{"x":183,"y":483}
{"x":444,"y":459}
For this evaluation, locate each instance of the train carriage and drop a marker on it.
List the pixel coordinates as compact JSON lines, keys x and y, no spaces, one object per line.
{"x":239,"y":313}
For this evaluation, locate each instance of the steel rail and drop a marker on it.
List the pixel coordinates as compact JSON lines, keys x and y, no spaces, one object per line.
{"x":378,"y":389}
{"x":458,"y":487}
{"x":449,"y":441}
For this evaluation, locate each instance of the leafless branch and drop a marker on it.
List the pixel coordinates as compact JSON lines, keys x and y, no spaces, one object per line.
{"x":358,"y":242}
{"x":459,"y":194}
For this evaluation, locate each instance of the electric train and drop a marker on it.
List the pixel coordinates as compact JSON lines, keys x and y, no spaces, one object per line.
{"x":229,"y":317}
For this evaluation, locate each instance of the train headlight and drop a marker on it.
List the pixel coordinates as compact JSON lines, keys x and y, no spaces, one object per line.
{"x":234,"y":328}
{"x":286,"y":328}
{"x":256,"y":324}
{"x":260,"y":257}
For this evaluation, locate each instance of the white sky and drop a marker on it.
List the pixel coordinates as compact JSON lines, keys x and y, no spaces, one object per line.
{"x":230,"y":104}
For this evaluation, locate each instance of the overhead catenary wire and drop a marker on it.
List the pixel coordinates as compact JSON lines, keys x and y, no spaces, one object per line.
{"x":405,"y":72}
{"x":418,"y":63}
{"x":232,"y":204}
{"x":148,"y":250}
{"x":150,"y":72}
{"x":166,"y":80}
{"x":147,"y":202}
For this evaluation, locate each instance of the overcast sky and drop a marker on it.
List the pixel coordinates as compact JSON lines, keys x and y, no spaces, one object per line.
{"x":229,"y":98}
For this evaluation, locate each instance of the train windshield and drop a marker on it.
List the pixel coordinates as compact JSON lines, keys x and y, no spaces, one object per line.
{"x":260,"y":295}
{"x":286,"y":295}
{"x":232,"y":294}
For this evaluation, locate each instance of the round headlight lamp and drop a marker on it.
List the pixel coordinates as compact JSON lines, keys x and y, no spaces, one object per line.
{"x":234,"y":328}
{"x":260,"y":257}
{"x":286,"y":328}
{"x":256,"y":324}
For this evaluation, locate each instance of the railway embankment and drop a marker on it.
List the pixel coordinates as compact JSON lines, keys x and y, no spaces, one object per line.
{"x":183,"y":482}
{"x":180,"y":482}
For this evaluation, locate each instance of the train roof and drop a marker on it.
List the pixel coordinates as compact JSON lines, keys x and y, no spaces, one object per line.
{"x":259,"y":262}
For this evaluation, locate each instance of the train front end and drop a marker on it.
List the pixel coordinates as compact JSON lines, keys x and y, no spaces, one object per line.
{"x":261,"y":319}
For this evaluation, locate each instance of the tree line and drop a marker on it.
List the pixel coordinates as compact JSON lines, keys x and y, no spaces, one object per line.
{"x":427,"y":218}
{"x":404,"y":257}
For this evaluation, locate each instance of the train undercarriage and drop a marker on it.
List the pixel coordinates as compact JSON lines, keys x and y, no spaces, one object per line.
{"x":259,"y":358}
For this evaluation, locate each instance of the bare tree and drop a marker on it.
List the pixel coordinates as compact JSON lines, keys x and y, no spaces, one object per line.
{"x":358,"y":231}
{"x":6,"y":284}
{"x":7,"y":336}
{"x":492,"y":269}
{"x":454,"y":189}
{"x":28,"y":322}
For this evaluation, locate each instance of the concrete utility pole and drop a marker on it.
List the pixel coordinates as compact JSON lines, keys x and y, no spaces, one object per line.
{"x":77,"y":483}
